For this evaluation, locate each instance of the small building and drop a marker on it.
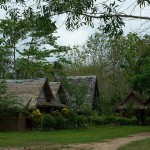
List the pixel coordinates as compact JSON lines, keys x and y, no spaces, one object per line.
{"x":31,"y":93}
{"x":81,"y":87}
{"x":15,"y":122}
{"x":132,"y":104}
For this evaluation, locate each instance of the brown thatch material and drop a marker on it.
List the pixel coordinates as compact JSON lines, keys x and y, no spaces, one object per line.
{"x":132,"y":98}
{"x":50,"y":104}
{"x":91,"y":84}
{"x":30,"y":92}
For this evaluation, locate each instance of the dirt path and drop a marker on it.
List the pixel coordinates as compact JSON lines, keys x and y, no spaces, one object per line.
{"x":111,"y":144}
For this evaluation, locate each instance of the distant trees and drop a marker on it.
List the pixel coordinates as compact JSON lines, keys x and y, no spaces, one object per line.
{"x":140,"y":78}
{"x":29,"y":33}
{"x":121,"y":64}
{"x":5,"y":62}
{"x":77,"y":95}
{"x":12,"y":33}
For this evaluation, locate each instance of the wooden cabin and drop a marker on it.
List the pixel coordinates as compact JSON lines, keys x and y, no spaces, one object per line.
{"x":132,"y":104}
{"x":31,"y":93}
{"x":15,"y":122}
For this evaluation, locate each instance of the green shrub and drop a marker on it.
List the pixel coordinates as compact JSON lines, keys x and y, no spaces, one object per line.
{"x":61,"y":123}
{"x":82,"y":121}
{"x":123,"y":121}
{"x":133,"y":121}
{"x":109,"y":120}
{"x":72,"y":117}
{"x":104,"y":120}
{"x":56,"y":113}
{"x":36,"y":116}
{"x":97,"y":120}
{"x":64,"y":111}
{"x":48,"y":122}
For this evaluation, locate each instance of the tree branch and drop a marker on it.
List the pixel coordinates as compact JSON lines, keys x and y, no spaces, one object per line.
{"x":118,"y":15}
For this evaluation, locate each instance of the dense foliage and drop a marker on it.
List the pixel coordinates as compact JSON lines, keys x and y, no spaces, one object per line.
{"x":57,"y":120}
{"x":78,"y":13}
{"x":27,"y":41}
{"x":120,"y":64}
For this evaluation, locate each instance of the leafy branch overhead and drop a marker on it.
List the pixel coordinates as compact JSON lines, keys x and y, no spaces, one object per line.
{"x":80,"y":12}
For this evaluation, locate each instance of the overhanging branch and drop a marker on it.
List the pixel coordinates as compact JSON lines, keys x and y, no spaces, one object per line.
{"x":118,"y":15}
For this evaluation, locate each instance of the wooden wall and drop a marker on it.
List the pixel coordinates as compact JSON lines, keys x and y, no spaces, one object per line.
{"x":15,"y":122}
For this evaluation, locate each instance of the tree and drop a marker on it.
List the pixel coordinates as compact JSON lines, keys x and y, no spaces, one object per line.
{"x":32,"y":40}
{"x":120,"y":63}
{"x":84,"y":12}
{"x":140,"y":77}
{"x":5,"y":62}
{"x":77,"y":100}
{"x":33,"y":69}
{"x":12,"y":32}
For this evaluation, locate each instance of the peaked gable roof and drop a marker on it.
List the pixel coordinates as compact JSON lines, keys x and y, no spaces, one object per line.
{"x":28,"y":91}
{"x":89,"y":81}
{"x":133,"y":98}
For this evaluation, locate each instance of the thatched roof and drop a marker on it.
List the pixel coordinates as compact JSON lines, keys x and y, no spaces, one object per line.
{"x":55,"y":87}
{"x":27,"y":91}
{"x":90,"y":83}
{"x":133,"y":99}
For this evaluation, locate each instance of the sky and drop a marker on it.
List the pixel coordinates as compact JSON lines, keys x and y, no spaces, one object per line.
{"x":79,"y":37}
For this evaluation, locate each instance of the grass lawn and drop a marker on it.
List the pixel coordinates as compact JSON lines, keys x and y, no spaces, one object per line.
{"x":92,"y":134}
{"x":142,"y":144}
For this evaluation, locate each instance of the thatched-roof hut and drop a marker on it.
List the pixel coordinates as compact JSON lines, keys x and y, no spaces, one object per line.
{"x":132,"y":105}
{"x":131,"y":99}
{"x":32,"y":93}
{"x":84,"y":84}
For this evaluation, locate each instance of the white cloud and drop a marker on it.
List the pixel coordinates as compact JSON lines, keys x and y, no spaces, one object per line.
{"x":77,"y":37}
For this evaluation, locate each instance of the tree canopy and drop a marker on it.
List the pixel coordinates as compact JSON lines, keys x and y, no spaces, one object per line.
{"x":121,"y":65}
{"x":121,"y":62}
{"x":110,"y":14}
